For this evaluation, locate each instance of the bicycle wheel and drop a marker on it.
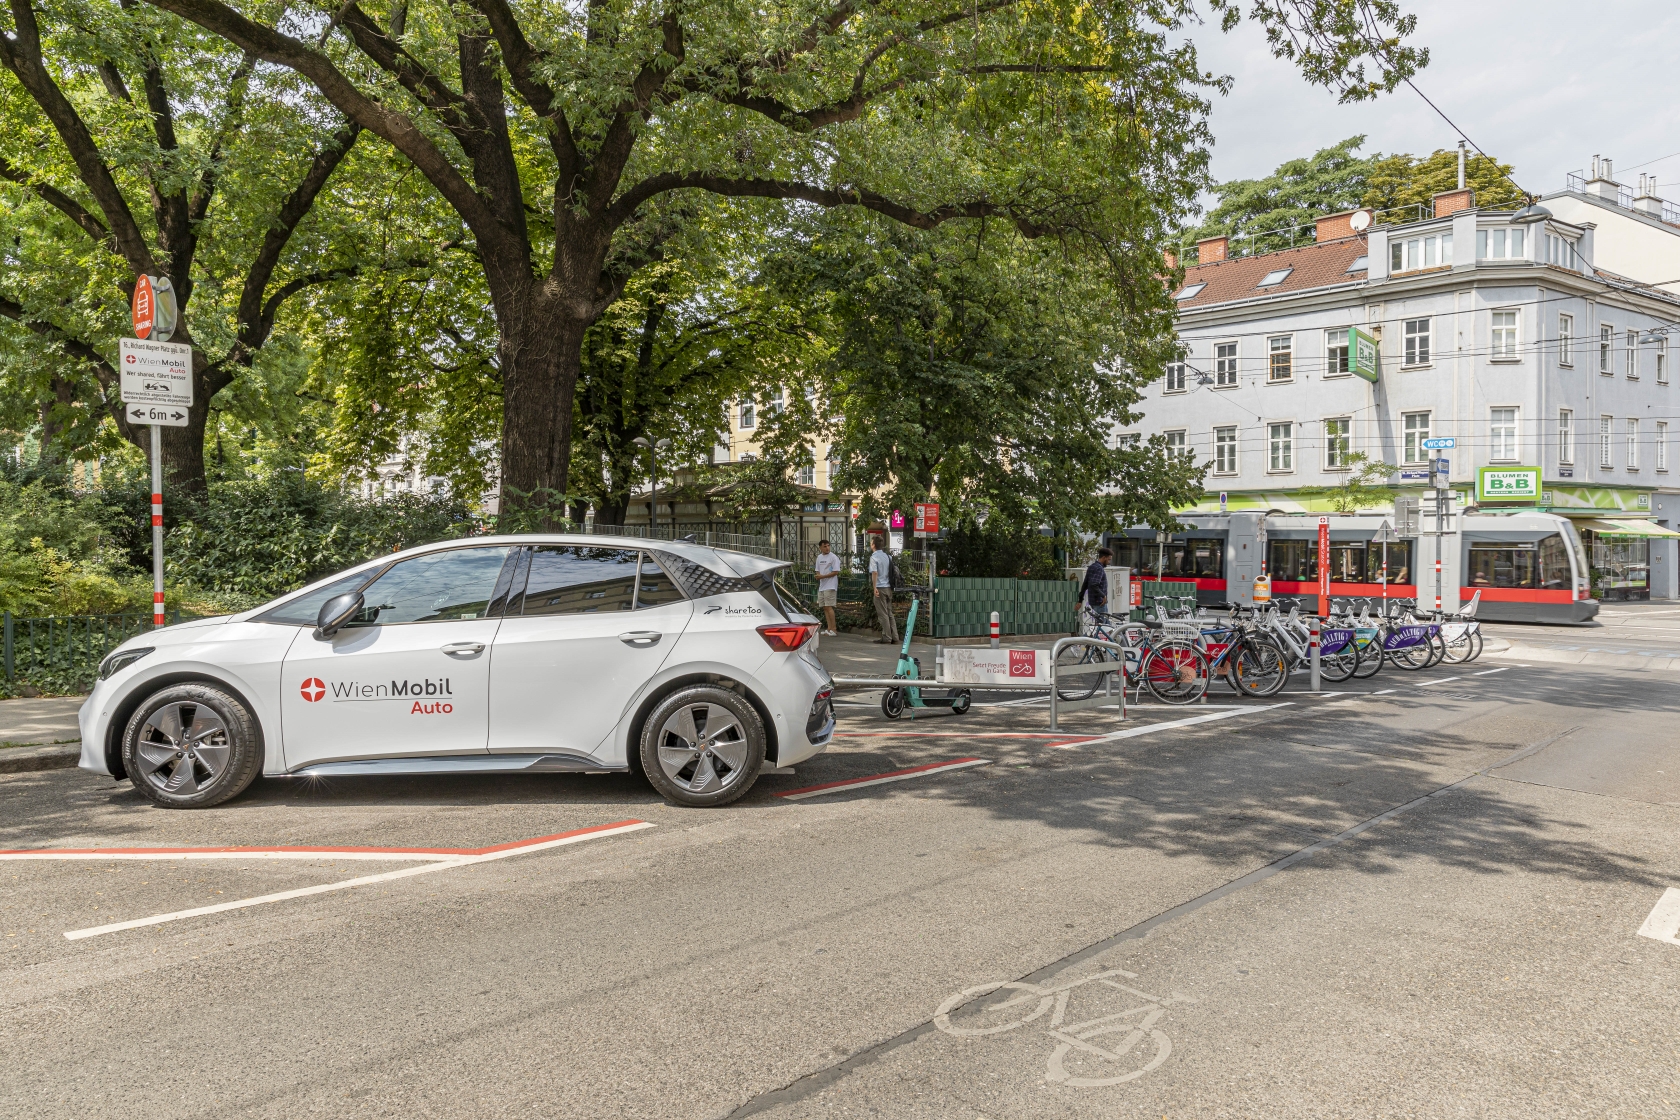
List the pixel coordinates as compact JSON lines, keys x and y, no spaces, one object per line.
{"x":1412,"y":658}
{"x":1476,"y":636}
{"x":1339,"y":666}
{"x":1370,"y":658}
{"x":1176,"y":673}
{"x":1084,"y":687}
{"x":1437,"y":650}
{"x":1460,"y":649}
{"x":1259,"y":667}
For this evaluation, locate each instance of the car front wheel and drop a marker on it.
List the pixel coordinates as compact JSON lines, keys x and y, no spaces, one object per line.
{"x":191,"y":746}
{"x":702,"y":747}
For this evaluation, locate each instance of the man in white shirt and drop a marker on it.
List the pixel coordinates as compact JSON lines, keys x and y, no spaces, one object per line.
{"x":828,"y":582}
{"x":880,"y":567}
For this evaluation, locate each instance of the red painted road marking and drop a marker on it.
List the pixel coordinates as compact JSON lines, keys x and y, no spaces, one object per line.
{"x":952,"y":734}
{"x":878,"y":779}
{"x":298,"y":852}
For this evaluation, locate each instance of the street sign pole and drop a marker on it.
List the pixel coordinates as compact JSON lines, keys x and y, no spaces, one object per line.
{"x":157,"y":525}
{"x":1323,"y":567}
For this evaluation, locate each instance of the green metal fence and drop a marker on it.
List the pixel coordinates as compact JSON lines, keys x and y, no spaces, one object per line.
{"x":964,"y":606}
{"x":1169,"y":589}
{"x":65,"y":650}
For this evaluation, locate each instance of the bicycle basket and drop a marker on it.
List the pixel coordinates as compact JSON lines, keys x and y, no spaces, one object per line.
{"x":1175,"y":631}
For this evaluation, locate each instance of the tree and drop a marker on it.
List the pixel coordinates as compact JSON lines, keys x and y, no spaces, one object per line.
{"x":140,"y":147}
{"x":1402,"y":188}
{"x":1365,"y":485}
{"x":1268,"y":213}
{"x":566,"y":136}
{"x":980,"y":366}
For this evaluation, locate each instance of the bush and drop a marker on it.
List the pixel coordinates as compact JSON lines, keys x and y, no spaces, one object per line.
{"x":58,"y":552}
{"x":999,"y":549}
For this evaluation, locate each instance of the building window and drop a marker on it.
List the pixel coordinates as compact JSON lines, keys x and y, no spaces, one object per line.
{"x":749,"y":414}
{"x":808,"y":475}
{"x":1175,"y":444}
{"x":1499,"y":244}
{"x":1175,"y":377}
{"x":1606,"y":426}
{"x":1662,"y":445}
{"x":1630,"y":363}
{"x":1224,"y":365}
{"x":1276,"y":276}
{"x":1502,"y":433}
{"x":1566,"y":340}
{"x":1338,"y":443}
{"x":1417,"y":342}
{"x":1225,"y":450}
{"x":1281,"y":353}
{"x":1560,"y":251}
{"x":1131,"y":441}
{"x":778,"y":403}
{"x":1504,"y":335}
{"x":1335,"y":353}
{"x":1419,"y":252}
{"x":1662,"y":361}
{"x":1417,"y":430}
{"x":1632,"y":445}
{"x":1282,"y":446}
{"x":1566,"y":436}
{"x":1606,"y":341}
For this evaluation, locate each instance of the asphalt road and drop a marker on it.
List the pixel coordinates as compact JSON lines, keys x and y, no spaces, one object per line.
{"x":1641,"y":629}
{"x":1411,"y":899}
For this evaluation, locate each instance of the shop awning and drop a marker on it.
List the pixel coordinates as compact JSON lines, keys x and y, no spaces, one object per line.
{"x":1616,"y":527}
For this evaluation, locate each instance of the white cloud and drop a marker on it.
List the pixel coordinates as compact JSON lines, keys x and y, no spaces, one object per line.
{"x":1541,"y":85}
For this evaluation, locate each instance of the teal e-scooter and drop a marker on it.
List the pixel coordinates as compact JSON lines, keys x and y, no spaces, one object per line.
{"x":895,"y":700}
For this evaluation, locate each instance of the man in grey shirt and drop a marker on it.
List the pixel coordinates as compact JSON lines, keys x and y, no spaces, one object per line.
{"x":880,"y":567}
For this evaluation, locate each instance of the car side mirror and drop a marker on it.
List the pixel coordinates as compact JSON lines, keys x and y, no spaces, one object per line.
{"x":335,"y":612}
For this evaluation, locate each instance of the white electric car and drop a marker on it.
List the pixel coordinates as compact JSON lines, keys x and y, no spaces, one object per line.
{"x":536,"y":654}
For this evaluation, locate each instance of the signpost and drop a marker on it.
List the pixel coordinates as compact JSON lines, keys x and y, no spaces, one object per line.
{"x":1323,"y":567}
{"x":1385,"y":536}
{"x":157,"y":390}
{"x":1363,"y":355}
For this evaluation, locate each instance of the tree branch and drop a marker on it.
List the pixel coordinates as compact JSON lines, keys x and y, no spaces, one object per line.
{"x":234,"y":122}
{"x":61,"y":201}
{"x":453,"y":110}
{"x":76,"y":348}
{"x":21,"y":54}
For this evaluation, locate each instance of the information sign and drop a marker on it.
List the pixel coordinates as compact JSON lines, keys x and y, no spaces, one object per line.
{"x":155,"y":372}
{"x":143,"y":308}
{"x":997,"y":666}
{"x":927,"y":519}
{"x":1363,"y":355}
{"x":1514,"y":485}
{"x":1323,"y":566}
{"x":169,"y":415}
{"x":1440,"y":443}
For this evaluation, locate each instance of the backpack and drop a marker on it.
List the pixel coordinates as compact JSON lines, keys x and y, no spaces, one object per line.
{"x":894,"y":579}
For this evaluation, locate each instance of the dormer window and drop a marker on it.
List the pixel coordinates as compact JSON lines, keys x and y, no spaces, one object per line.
{"x":1190,"y":291}
{"x":1360,"y":264}
{"x":1275,"y":276}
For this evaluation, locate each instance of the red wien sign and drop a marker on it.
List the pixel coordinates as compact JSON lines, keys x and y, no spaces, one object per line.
{"x":145,"y":307}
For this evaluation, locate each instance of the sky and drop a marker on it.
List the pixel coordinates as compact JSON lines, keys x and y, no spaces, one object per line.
{"x":1540,"y":84}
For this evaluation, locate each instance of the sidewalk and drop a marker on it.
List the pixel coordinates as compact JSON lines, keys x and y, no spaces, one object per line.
{"x":856,"y":655}
{"x":39,"y":734}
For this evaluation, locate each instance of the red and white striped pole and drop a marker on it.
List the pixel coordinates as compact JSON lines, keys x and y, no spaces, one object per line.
{"x":996,"y":628}
{"x":157,"y":526}
{"x":1437,"y":581}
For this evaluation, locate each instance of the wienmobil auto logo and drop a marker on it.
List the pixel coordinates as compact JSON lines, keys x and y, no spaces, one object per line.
{"x":720,"y":608}
{"x":430,"y":696}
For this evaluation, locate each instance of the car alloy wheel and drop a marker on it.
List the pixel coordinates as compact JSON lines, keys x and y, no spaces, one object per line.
{"x":703,"y":746}
{"x":183,"y":748}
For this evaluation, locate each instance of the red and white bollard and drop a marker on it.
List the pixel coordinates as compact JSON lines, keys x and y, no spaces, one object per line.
{"x":996,"y":629}
{"x":1314,"y":624}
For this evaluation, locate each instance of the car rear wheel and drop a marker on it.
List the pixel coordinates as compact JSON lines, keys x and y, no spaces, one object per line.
{"x":191,"y":746}
{"x":702,"y":747}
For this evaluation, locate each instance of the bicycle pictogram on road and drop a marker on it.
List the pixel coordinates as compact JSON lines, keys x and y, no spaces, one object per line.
{"x":1077,"y":1060}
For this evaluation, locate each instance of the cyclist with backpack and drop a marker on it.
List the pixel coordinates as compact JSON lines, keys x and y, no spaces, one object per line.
{"x":881,"y":578}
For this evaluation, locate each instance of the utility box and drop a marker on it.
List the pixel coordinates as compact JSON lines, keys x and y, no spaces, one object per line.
{"x":1119,"y":590}
{"x":1245,"y":556}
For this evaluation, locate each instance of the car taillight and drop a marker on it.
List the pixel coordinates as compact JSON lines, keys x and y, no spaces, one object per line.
{"x":785,"y":637}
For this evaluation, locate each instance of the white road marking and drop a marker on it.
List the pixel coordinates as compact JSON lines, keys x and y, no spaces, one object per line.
{"x":897,"y":776}
{"x":1134,"y":732}
{"x":1486,"y":672}
{"x":1443,"y":680}
{"x":301,"y":892}
{"x":1382,"y":692}
{"x":1663,"y":922}
{"x":322,"y":856}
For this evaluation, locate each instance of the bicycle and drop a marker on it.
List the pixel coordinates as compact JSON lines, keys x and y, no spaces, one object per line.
{"x":1172,"y":668}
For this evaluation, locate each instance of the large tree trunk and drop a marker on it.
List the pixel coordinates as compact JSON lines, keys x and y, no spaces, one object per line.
{"x":542,"y":356}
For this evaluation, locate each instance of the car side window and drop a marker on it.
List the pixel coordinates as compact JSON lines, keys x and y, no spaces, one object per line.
{"x":307,"y":610}
{"x":656,"y":587}
{"x":572,"y":579}
{"x":436,"y":587}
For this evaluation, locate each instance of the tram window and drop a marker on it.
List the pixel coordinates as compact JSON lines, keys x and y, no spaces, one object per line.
{"x":1554,"y":564}
{"x":1399,"y":563}
{"x":1527,"y":565}
{"x":1204,"y":559}
{"x":1292,"y":560}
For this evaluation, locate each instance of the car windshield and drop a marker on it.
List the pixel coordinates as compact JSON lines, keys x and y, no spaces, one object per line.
{"x":304,"y":610}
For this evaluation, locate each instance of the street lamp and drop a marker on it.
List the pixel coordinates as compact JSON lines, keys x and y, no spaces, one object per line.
{"x":1531,"y":213}
{"x":653,"y":482}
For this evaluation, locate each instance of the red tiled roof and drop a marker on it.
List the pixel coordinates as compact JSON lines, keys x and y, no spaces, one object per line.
{"x":1314,"y":266}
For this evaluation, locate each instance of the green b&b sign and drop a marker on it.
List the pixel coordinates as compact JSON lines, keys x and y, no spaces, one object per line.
{"x":1362,"y":354}
{"x":1513,"y":485}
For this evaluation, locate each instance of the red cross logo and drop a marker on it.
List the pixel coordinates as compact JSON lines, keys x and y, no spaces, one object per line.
{"x":314,"y":689}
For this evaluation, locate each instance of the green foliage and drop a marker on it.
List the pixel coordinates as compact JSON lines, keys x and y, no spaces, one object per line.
{"x":982,"y":368}
{"x":758,"y":492}
{"x":999,"y":549}
{"x":1264,"y":214}
{"x":1405,"y":186}
{"x":260,"y":538}
{"x":1364,"y":486}
{"x":58,"y":554}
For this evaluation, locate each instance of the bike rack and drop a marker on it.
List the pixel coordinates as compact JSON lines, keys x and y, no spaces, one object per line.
{"x":1057,"y":675}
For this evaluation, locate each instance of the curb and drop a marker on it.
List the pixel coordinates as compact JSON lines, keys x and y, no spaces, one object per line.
{"x":52,"y":756}
{"x":1635,"y":662}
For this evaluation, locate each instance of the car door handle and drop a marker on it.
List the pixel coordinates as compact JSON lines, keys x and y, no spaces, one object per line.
{"x":640,"y":637}
{"x":464,"y":647}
